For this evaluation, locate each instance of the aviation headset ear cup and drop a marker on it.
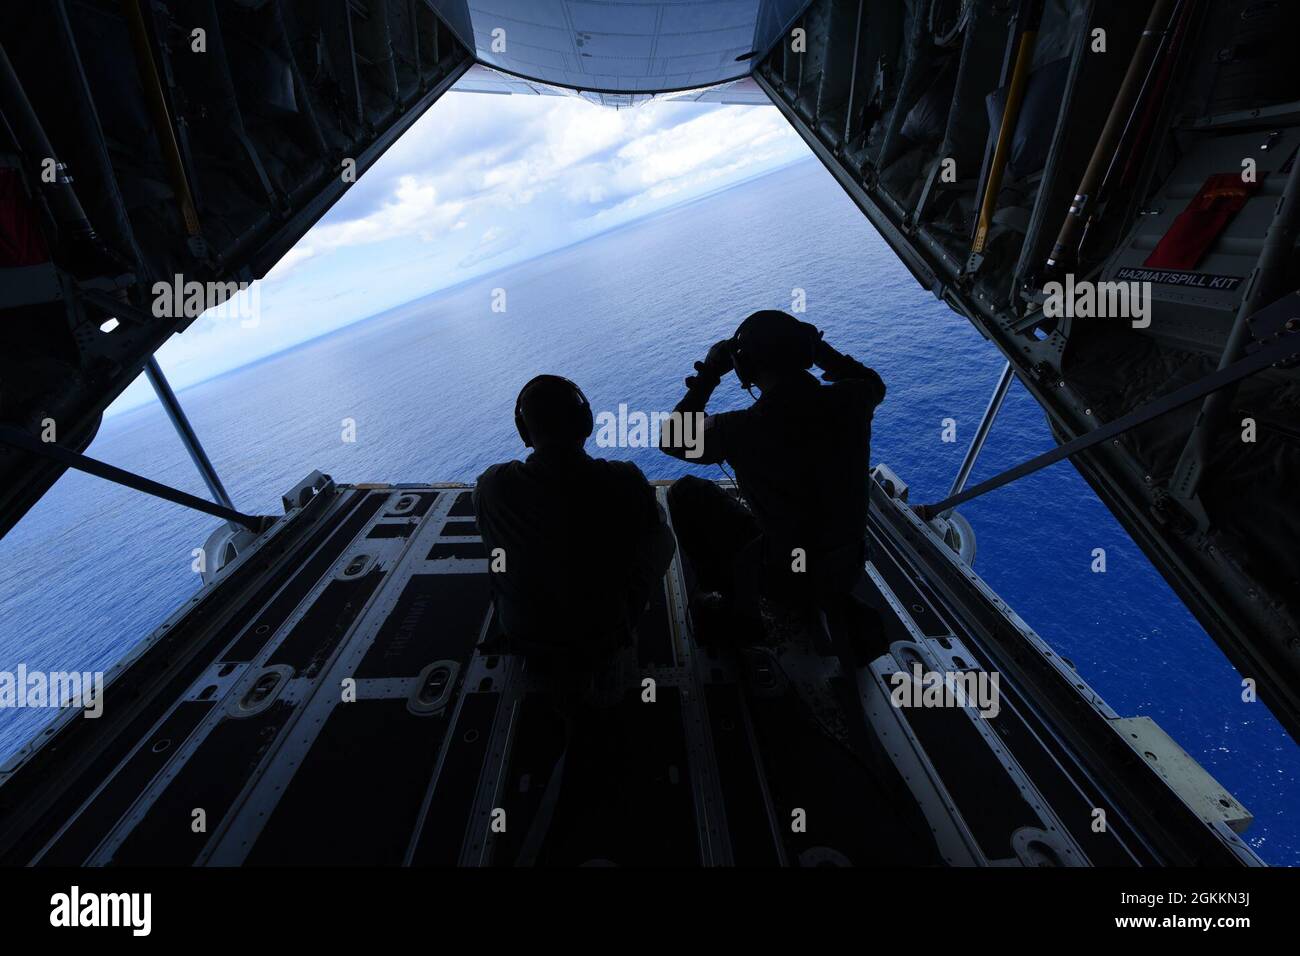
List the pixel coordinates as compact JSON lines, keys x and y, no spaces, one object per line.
{"x":740,"y":362}
{"x":521,"y":427}
{"x":583,"y":418}
{"x":588,"y":423}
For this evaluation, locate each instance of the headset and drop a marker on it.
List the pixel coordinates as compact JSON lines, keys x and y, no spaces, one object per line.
{"x":581,"y":410}
{"x":757,"y":342}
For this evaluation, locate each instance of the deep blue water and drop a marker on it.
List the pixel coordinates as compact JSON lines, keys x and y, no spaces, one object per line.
{"x":94,"y":567}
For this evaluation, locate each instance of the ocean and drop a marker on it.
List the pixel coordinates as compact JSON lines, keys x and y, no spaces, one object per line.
{"x":430,"y":386}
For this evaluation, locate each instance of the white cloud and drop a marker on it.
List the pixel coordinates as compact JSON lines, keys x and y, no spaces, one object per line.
{"x":482,"y":178}
{"x":413,"y":210}
{"x":295,"y":256}
{"x":698,"y":155}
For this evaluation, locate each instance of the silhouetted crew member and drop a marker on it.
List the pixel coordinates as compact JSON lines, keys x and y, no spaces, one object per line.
{"x":583,"y":539}
{"x":800,"y":455}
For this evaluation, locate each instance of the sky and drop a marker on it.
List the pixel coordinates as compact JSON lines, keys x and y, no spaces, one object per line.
{"x":479,"y":182}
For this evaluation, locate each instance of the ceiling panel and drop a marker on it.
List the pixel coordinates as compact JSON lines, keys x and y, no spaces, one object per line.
{"x":620,"y":46}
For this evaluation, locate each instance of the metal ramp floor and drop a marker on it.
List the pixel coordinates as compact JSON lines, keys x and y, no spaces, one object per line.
{"x":328,"y":699}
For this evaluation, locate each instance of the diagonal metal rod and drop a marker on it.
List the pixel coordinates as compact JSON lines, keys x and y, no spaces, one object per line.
{"x":1284,"y":349}
{"x":174,"y":411}
{"x":17,"y":438}
{"x":982,"y":432}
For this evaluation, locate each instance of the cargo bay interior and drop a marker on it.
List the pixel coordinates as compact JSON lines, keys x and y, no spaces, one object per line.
{"x":235,"y":706}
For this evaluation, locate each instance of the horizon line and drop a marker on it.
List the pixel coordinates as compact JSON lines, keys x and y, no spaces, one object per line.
{"x":441,"y":290}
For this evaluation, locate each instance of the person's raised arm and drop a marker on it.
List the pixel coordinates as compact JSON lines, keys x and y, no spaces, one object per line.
{"x":837,"y":367}
{"x":699,"y":388}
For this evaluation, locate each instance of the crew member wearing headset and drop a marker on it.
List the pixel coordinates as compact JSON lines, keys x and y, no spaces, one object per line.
{"x":576,"y":544}
{"x":800,"y":454}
